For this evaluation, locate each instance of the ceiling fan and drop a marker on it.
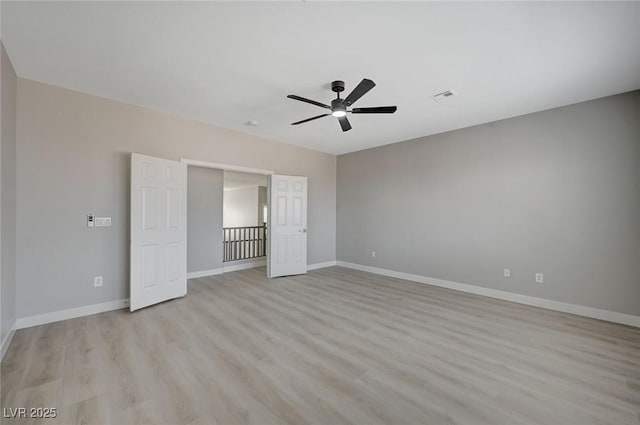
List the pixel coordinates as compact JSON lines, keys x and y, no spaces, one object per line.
{"x":339,"y":106}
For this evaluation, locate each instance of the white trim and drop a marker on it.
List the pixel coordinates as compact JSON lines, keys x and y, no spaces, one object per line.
{"x":226,"y":269}
{"x":204,"y":273}
{"x":595,"y":313}
{"x":321,"y":265}
{"x":226,"y":167}
{"x":7,"y":341}
{"x":71,"y":313}
{"x":243,"y":266}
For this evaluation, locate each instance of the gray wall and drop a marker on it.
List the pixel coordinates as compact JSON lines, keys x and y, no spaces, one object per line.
{"x":204,"y":218}
{"x":73,"y":158}
{"x":556,"y":192}
{"x":8,"y":200}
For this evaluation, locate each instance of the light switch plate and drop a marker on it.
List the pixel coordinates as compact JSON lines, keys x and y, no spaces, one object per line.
{"x":103,"y":221}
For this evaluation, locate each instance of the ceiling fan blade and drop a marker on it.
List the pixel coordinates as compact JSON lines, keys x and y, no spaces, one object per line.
{"x":310,"y":119}
{"x":313,"y":102}
{"x":375,"y":110}
{"x":344,"y":123}
{"x":360,"y":90}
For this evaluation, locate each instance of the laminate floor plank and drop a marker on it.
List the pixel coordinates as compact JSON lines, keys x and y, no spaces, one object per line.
{"x":335,"y":346}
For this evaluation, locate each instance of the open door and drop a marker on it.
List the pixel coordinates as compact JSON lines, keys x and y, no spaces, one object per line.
{"x":158,"y":230}
{"x":287,"y":232}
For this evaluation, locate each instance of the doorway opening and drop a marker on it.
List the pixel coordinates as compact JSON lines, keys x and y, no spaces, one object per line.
{"x":244,"y":217}
{"x":227,"y":218}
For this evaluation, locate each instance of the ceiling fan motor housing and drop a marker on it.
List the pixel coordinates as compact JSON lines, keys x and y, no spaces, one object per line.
{"x":337,"y":86}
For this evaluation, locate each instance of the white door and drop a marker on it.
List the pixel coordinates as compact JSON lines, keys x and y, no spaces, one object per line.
{"x":158,"y":230}
{"x":287,"y":226}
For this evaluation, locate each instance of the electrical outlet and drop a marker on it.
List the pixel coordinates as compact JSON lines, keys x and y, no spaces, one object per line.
{"x":373,"y":254}
{"x":539,"y":278}
{"x":507,"y":272}
{"x":97,"y":281}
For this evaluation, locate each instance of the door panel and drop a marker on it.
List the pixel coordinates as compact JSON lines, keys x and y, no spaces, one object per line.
{"x":173,"y":209}
{"x":158,"y":230}
{"x":149,"y":208}
{"x":288,"y":226}
{"x":150,"y":272}
{"x":173,"y":262}
{"x":282,"y":210}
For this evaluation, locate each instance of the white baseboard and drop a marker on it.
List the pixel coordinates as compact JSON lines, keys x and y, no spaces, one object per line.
{"x":7,"y":341}
{"x":243,"y":266}
{"x":71,"y":313}
{"x":226,"y":269}
{"x":594,"y":313}
{"x":204,"y":273}
{"x":321,"y":265}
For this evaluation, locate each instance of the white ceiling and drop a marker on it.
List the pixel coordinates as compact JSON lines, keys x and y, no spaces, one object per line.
{"x":228,"y":63}
{"x":234,"y":180}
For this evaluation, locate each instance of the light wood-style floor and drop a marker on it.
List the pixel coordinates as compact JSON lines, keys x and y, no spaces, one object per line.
{"x":336,"y":346}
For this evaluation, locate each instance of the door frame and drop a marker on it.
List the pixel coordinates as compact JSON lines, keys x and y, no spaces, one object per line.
{"x":240,"y":169}
{"x":226,"y":167}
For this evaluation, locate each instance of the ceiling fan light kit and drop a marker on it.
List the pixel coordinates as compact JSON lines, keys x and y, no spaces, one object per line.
{"x":339,"y":106}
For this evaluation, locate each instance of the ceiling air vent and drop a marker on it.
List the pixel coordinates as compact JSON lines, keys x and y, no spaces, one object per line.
{"x":444,"y":95}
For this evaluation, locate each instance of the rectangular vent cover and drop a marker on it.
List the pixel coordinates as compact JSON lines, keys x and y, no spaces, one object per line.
{"x":445,"y":94}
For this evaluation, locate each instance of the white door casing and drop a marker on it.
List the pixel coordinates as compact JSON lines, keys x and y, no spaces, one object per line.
{"x":287,"y":231}
{"x":158,"y":230}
